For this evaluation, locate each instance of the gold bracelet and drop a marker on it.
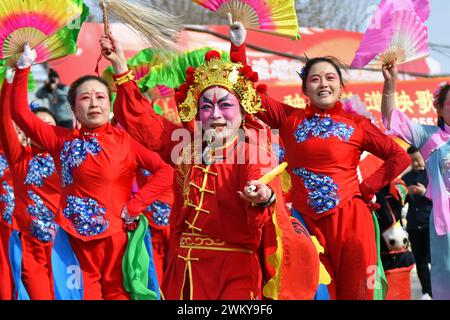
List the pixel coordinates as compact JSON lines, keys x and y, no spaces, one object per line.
{"x":127,"y":77}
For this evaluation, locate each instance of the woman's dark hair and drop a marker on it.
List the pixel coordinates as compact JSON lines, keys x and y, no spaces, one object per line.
{"x":412,"y":149}
{"x":311,"y":62}
{"x":439,"y":103}
{"x":43,"y":110}
{"x":442,"y":95}
{"x":71,"y":96}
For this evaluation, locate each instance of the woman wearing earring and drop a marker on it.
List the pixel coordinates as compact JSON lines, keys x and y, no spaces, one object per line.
{"x":97,"y":164}
{"x":323,"y":147}
{"x":222,"y":232}
{"x":434,"y":145}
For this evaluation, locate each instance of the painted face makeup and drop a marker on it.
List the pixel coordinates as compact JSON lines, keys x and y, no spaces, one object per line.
{"x":220,"y":115}
{"x":323,"y":86}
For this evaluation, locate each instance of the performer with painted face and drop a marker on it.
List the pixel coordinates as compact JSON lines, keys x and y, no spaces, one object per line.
{"x":97,"y":164}
{"x":323,"y":147}
{"x":224,"y":222}
{"x":433,"y":143}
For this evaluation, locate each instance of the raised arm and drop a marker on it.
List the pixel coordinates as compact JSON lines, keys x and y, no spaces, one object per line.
{"x":162,"y":179}
{"x":133,"y":111}
{"x":276,"y":112}
{"x":8,"y":136}
{"x":396,"y":160}
{"x":49,"y":137}
{"x":390,"y":75}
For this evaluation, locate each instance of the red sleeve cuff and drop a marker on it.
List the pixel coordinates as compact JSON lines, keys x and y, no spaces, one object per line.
{"x":366,"y":192}
{"x":117,"y":76}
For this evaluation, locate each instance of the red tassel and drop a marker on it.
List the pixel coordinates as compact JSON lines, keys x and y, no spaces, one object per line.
{"x":373,"y":206}
{"x":131,"y":226}
{"x":234,"y":57}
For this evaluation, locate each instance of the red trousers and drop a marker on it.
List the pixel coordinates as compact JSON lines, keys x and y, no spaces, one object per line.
{"x":37,"y":269}
{"x":160,"y":246}
{"x":6,"y":280}
{"x":350,"y":256}
{"x":101,"y":266}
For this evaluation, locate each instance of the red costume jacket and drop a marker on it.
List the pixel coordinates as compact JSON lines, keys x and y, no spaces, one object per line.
{"x":214,"y":232}
{"x":37,"y":185}
{"x":97,"y":168}
{"x":6,"y":191}
{"x":323,"y":149}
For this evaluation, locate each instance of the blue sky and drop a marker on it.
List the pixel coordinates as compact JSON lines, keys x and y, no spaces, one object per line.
{"x":439,"y":31}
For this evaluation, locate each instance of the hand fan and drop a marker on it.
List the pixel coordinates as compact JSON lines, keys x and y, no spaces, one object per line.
{"x":172,"y":73}
{"x":140,"y":64}
{"x":403,"y":37}
{"x":409,"y":40}
{"x":60,"y":44}
{"x":277,"y":17}
{"x":34,"y":22}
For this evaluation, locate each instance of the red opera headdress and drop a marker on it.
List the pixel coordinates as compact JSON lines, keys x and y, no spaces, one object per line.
{"x":235,"y":77}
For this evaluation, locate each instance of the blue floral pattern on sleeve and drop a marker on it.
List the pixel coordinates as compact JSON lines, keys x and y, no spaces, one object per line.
{"x":74,"y":153}
{"x":322,"y":190}
{"x":3,"y":165}
{"x":161,"y":212}
{"x":8,"y":199}
{"x":43,"y":227}
{"x":279,"y":151}
{"x":146,"y":173}
{"x":86,"y":215}
{"x":322,"y":128}
{"x":39,"y":168}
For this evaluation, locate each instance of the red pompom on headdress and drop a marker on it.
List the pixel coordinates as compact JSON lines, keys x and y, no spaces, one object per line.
{"x":213,"y":54}
{"x":190,"y":70}
{"x":261,"y":88}
{"x":180,"y":97}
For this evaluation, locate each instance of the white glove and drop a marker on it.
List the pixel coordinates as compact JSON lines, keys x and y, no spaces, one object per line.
{"x":10,"y":75}
{"x":126,"y":216}
{"x":238,"y":33}
{"x":27,"y":57}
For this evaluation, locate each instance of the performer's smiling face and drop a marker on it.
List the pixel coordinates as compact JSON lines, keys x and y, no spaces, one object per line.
{"x":220,"y":114}
{"x":323,"y":85}
{"x":92,"y":104}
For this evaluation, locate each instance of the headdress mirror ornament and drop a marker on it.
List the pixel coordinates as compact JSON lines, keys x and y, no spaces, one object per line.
{"x":234,"y":77}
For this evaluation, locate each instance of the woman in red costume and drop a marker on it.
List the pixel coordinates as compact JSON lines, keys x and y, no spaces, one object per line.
{"x":6,"y":220}
{"x":323,"y":147}
{"x":221,"y":231}
{"x":97,"y":164}
{"x":37,"y":188}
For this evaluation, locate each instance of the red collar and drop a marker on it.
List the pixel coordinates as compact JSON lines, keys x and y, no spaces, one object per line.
{"x":89,"y":132}
{"x":312,"y":111}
